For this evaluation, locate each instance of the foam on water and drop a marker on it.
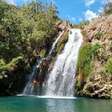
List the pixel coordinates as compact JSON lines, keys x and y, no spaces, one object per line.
{"x":49,"y":97}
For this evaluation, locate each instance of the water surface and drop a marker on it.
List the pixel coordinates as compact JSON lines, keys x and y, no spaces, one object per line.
{"x":34,"y":104}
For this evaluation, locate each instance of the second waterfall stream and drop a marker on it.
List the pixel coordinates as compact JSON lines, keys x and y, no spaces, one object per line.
{"x":61,"y":79}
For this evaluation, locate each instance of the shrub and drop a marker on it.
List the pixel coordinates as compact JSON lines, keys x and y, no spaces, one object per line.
{"x":98,"y":35}
{"x":42,"y":53}
{"x":86,"y":55}
{"x":108,"y":66}
{"x":2,"y":63}
{"x":11,"y":65}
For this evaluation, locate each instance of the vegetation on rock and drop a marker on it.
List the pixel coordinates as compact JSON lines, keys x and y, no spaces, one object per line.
{"x":108,"y":66}
{"x":86,"y":55}
{"x":94,"y":72}
{"x":25,"y":32}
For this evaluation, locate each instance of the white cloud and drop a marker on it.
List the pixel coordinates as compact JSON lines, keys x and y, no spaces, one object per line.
{"x":11,"y":2}
{"x":89,"y":2}
{"x":89,"y":15}
{"x":100,"y":10}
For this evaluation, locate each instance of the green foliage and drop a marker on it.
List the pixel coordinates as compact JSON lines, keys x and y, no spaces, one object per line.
{"x":98,"y":35}
{"x":42,"y":53}
{"x":11,"y":65}
{"x":85,"y":58}
{"x":95,"y":48}
{"x":108,"y":66}
{"x":2,"y":63}
{"x":24,"y":29}
{"x":86,"y":55}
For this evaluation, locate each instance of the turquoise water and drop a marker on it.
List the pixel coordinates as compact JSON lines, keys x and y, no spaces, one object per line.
{"x":33,"y":104}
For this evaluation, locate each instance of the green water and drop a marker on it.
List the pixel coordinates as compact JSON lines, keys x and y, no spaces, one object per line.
{"x":33,"y":104}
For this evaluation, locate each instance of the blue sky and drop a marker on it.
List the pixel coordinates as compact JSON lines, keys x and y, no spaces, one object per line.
{"x":78,"y":10}
{"x":73,"y":10}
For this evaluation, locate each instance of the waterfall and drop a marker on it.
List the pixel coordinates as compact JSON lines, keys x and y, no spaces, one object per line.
{"x":29,"y":88}
{"x":60,"y":80}
{"x":54,"y":44}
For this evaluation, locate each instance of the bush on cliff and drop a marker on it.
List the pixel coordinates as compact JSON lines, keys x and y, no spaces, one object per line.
{"x":108,"y":66}
{"x":86,"y":56}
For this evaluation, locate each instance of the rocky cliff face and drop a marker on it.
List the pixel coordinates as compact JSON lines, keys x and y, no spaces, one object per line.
{"x":98,"y":82}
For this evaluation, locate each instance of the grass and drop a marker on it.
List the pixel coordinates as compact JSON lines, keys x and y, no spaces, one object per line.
{"x":98,"y":35}
{"x":108,"y":66}
{"x":86,"y":55}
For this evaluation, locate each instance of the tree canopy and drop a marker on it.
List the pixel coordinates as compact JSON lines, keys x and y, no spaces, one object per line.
{"x":25,"y":29}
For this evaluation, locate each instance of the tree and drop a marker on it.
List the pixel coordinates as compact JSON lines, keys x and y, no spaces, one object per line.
{"x":25,"y":28}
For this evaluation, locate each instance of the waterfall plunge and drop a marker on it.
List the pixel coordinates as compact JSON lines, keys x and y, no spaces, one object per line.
{"x":61,"y":78}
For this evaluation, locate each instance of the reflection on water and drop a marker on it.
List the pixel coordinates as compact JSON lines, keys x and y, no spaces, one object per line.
{"x":33,"y":104}
{"x":60,"y":106}
{"x":79,"y":105}
{"x":93,"y":105}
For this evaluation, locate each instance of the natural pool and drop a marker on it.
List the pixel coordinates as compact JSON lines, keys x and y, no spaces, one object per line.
{"x":34,"y":104}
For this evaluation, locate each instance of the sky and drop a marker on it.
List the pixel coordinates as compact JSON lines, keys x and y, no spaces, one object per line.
{"x":73,"y":10}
